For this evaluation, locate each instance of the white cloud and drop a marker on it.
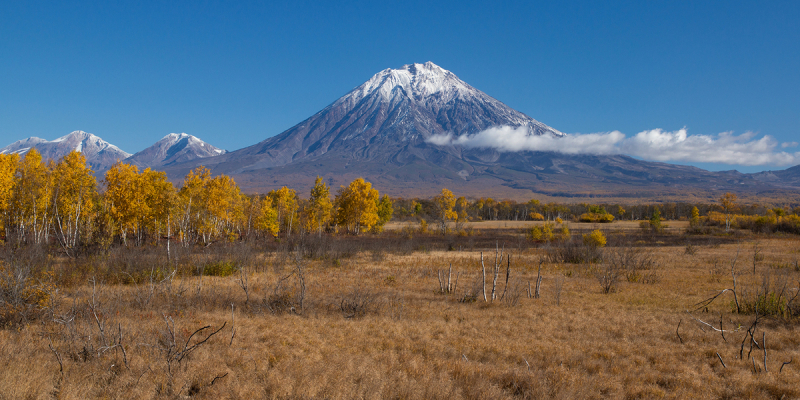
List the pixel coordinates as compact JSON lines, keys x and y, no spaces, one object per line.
{"x":789,"y":144}
{"x":657,"y":145}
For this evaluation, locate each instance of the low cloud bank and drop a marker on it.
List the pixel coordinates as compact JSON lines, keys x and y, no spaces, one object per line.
{"x":656,"y":145}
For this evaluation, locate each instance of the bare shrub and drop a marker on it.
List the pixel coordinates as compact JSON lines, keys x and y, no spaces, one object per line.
{"x":638,"y":265}
{"x":608,"y":276}
{"x":358,"y":302}
{"x":26,"y":288}
{"x":513,"y":292}
{"x":775,"y":297}
{"x":289,"y":294}
{"x":473,"y":291}
{"x":558,"y":287}
{"x":573,"y":252}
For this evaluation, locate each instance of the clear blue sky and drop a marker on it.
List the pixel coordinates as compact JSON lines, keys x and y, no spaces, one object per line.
{"x":235,"y":73}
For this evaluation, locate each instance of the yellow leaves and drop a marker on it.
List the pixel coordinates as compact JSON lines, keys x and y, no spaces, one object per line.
{"x":443,"y":209}
{"x":317,"y":212}
{"x":536,"y":216}
{"x":594,"y":239}
{"x":357,"y":206}
{"x":32,"y":197}
{"x":8,"y":168}
{"x":285,"y":202}
{"x":266,"y":217}
{"x":209,"y":206}
{"x":75,"y":192}
{"x":137,"y":201}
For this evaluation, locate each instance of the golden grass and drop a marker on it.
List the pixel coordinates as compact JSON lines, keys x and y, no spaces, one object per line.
{"x":414,"y":342}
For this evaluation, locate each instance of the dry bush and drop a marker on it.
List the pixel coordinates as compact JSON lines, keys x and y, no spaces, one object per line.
{"x":636,"y":263}
{"x":573,"y":252}
{"x":776,"y":296}
{"x":358,"y":302}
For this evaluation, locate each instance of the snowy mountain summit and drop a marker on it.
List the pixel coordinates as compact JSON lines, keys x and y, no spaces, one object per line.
{"x":99,"y":154}
{"x":174,"y":148}
{"x":391,"y":116}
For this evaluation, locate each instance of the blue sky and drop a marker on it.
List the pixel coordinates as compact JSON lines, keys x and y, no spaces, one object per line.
{"x":236,"y":73}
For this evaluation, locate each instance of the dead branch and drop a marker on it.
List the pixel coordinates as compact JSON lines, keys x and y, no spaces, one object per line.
{"x":61,"y":363}
{"x":785,"y":364}
{"x":186,"y":349}
{"x":707,"y":324}
{"x":720,"y":360}
{"x":677,"y":333}
{"x":215,"y":379}
{"x":483,"y":267}
{"x":233,"y":326}
{"x":705,"y":303}
{"x":764,"y":343}
{"x":508,"y":274}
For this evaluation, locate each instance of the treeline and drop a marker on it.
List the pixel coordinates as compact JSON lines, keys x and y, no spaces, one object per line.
{"x":488,"y":209}
{"x":62,"y":202}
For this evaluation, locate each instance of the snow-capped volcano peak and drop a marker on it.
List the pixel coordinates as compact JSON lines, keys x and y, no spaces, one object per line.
{"x":174,"y":148}
{"x":416,"y":81}
{"x":391,"y":116}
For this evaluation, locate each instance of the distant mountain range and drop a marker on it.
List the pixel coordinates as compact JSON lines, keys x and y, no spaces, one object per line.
{"x":387,"y":130}
{"x":101,"y":155}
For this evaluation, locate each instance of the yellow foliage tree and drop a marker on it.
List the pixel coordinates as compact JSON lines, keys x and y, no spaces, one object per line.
{"x":286,"y":204}
{"x":32,"y":198}
{"x":594,"y":239}
{"x":317,"y":212}
{"x":443,"y":209}
{"x":137,"y":203}
{"x":209,"y":207}
{"x":190,"y":204}
{"x":8,"y":169}
{"x":120,"y":198}
{"x":266,"y":217}
{"x":222,"y":201}
{"x":461,"y":213}
{"x":160,"y":198}
{"x":694,"y":222}
{"x":74,"y":197}
{"x":385,"y":211}
{"x":357,"y":206}
{"x":728,"y":202}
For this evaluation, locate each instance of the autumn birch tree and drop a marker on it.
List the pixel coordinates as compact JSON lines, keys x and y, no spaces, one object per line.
{"x":31,"y":198}
{"x":317,"y":212}
{"x":357,"y":206}
{"x":443,"y":209}
{"x":74,"y":196}
{"x":8,"y":170}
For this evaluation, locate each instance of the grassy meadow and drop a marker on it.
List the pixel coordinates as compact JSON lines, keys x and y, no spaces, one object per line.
{"x":374,"y":317}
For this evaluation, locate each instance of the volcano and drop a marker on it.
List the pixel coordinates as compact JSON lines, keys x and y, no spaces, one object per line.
{"x":385,"y":131}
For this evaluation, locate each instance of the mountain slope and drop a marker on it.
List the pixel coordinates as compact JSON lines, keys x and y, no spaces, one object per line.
{"x":394,"y":109}
{"x":174,"y":148}
{"x":100,"y":155}
{"x":382,"y":131}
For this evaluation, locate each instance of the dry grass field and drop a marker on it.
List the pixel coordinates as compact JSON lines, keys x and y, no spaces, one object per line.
{"x":372,"y":322}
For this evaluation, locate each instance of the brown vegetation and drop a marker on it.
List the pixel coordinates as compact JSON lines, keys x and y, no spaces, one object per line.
{"x":348,"y":317}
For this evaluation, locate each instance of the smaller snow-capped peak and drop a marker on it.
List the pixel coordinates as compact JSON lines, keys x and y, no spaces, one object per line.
{"x":22,"y":146}
{"x":81,"y":141}
{"x":99,"y":154}
{"x":174,"y":148}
